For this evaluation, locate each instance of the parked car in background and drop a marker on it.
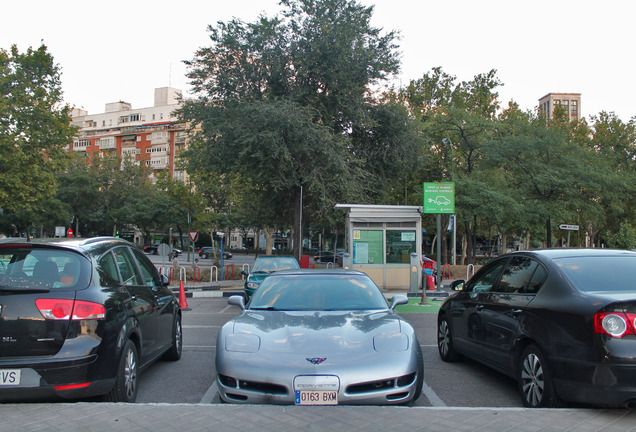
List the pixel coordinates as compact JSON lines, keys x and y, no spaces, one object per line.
{"x":208,"y":251}
{"x":325,"y":256}
{"x":153,"y":249}
{"x":562,"y":322}
{"x":81,"y":318}
{"x":318,"y":337}
{"x":264,"y":266}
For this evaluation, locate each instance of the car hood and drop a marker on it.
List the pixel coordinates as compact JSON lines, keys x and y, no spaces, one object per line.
{"x":323,"y":331}
{"x":257,"y":277}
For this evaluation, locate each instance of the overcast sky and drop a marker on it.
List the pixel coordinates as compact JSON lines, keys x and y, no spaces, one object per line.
{"x":121,"y":50}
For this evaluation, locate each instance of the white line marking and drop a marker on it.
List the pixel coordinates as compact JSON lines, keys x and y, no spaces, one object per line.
{"x":210,"y":394}
{"x":432,"y":396}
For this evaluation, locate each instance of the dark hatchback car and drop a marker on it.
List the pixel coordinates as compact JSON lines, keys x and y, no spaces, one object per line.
{"x":562,"y":322}
{"x":208,"y":251}
{"x":81,"y":318}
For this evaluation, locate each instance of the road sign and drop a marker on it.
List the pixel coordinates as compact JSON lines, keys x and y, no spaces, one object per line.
{"x":194,"y":235}
{"x":69,"y":233}
{"x":439,"y":198}
{"x":567,"y":227}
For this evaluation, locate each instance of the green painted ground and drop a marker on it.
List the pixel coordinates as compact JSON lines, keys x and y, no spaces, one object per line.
{"x":414,"y":306}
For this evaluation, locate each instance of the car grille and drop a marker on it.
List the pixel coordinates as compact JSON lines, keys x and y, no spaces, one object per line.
{"x":381,"y":385}
{"x":254,"y":386}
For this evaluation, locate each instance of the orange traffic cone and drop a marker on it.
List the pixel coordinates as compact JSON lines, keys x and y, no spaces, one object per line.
{"x":182,"y":298}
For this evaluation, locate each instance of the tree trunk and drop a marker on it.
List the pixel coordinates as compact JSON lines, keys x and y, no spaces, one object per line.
{"x":269,"y":239}
{"x":298,"y":225}
{"x":548,"y":229}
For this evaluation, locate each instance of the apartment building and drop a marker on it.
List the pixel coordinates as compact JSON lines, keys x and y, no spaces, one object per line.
{"x":570,"y":102}
{"x":149,"y":136}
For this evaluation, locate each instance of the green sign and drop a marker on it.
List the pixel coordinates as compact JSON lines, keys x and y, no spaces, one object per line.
{"x":439,"y":198}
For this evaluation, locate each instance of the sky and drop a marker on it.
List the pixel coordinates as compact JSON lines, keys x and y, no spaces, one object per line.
{"x":122,"y":50}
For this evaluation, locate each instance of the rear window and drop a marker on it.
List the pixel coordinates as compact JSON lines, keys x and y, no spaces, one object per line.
{"x":594,"y":274}
{"x":47,"y":268}
{"x":274,"y":264}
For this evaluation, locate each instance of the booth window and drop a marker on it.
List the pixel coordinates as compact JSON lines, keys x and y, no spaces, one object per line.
{"x":399,"y":245}
{"x":368,"y":247}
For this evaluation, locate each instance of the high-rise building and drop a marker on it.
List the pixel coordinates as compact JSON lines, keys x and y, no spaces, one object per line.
{"x":570,"y":102}
{"x":149,"y":136}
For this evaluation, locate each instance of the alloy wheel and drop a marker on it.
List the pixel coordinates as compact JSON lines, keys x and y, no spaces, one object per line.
{"x":130,"y":374}
{"x":532,"y":379}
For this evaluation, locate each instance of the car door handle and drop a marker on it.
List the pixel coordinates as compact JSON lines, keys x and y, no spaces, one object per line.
{"x":479,"y":307}
{"x":517,"y":311}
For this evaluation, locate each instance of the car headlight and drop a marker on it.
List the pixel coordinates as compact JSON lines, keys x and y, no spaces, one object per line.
{"x":252,"y":285}
{"x":246,"y":343}
{"x":391,"y":342}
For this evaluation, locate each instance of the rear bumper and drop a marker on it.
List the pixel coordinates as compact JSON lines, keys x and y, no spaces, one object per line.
{"x":40,"y":377}
{"x":597,"y":384}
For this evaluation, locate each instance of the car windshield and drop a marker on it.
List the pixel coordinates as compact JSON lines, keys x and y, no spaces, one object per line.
{"x":274,"y":264}
{"x":318,"y":292}
{"x":24,"y":268}
{"x":598,"y":274}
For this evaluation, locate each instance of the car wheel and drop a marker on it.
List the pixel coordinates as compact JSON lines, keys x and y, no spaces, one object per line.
{"x":420,"y":374}
{"x":125,"y":389}
{"x":445,"y":344}
{"x":174,"y":353}
{"x":534,"y":380}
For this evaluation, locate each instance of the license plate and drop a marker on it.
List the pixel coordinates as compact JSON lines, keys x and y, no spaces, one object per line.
{"x":318,"y":397}
{"x":9,"y":377}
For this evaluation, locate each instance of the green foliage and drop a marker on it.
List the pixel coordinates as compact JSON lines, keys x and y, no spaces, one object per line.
{"x":34,"y":128}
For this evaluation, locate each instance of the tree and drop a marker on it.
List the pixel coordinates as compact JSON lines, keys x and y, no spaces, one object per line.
{"x":282,"y":101}
{"x":34,"y":129}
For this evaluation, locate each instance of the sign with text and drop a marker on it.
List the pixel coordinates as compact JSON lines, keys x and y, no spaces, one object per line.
{"x":439,"y":197}
{"x":567,"y":227}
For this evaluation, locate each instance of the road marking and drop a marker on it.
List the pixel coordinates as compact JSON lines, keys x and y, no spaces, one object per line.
{"x":210,"y":394}
{"x":432,"y":396}
{"x":225,"y":309}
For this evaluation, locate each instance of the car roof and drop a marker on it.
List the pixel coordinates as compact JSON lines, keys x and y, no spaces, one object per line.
{"x":557,"y":253}
{"x":85,"y":245}
{"x":318,"y":272}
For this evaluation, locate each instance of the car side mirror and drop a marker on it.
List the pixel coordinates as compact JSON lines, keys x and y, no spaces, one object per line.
{"x":244,"y":272}
{"x":398,"y":300}
{"x":457,"y":285}
{"x":237,"y":300}
{"x":165,"y":281}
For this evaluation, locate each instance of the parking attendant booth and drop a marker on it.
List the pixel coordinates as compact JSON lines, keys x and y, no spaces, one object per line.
{"x":381,"y":239}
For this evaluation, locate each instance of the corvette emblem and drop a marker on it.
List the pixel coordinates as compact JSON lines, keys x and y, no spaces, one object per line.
{"x":316,"y":360}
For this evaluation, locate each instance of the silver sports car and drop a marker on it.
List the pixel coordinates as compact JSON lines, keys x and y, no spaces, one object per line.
{"x":311,"y":337}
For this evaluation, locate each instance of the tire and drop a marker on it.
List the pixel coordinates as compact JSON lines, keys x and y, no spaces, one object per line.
{"x":125,"y":389}
{"x":445,"y":344}
{"x":174,"y":353}
{"x":534,"y":380}
{"x":420,"y":374}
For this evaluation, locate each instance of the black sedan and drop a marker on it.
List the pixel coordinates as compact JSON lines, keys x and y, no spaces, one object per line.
{"x":560,"y":321}
{"x":81,"y":318}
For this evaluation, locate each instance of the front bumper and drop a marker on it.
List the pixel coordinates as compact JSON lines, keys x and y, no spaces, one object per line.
{"x":384,"y":391}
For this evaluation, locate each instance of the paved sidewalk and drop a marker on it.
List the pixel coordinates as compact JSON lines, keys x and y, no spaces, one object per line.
{"x":97,"y":417}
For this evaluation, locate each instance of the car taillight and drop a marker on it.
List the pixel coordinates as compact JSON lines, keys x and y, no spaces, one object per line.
{"x":65,"y":309}
{"x":615,"y":324}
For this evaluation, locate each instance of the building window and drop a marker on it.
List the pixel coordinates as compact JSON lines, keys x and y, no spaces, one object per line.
{"x":399,"y":246}
{"x":368,"y":247}
{"x":575,"y":108}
